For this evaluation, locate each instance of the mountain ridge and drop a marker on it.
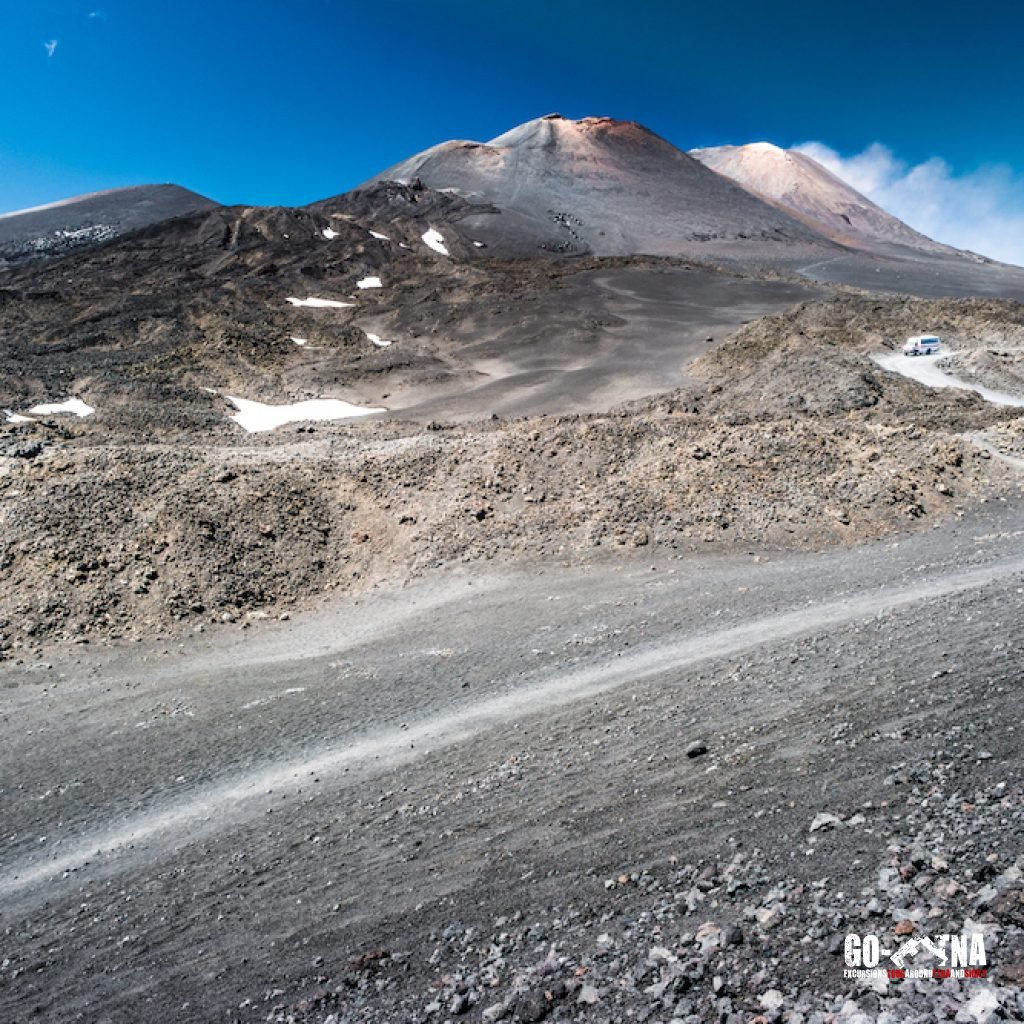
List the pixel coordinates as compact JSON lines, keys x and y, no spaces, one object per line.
{"x":799,"y":185}
{"x":68,"y":224}
{"x":598,"y":186}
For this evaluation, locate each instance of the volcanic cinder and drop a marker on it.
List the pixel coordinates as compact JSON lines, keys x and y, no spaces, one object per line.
{"x":598,"y":186}
{"x":596,"y":635}
{"x":802,"y":188}
{"x":97,"y":217}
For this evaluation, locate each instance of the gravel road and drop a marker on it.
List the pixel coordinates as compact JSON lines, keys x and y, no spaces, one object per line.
{"x":931,"y":373}
{"x":344,"y":815}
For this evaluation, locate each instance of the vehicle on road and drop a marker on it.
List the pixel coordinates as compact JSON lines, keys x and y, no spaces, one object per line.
{"x":921,"y":345}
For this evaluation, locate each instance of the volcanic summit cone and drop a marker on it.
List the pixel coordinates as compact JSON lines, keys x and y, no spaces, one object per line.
{"x":799,"y":186}
{"x":597,"y":186}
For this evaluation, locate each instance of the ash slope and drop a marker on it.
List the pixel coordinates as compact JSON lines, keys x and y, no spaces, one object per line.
{"x":151,"y":319}
{"x":513,"y":854}
{"x":797,"y":439}
{"x":801,"y":187}
{"x":140,"y":326}
{"x":602,"y":187}
{"x":879,"y":252}
{"x":97,"y":217}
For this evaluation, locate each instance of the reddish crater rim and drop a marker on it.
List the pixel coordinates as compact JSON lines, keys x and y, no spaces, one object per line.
{"x":612,"y":124}
{"x":596,"y":121}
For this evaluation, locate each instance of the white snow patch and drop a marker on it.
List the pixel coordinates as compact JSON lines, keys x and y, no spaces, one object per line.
{"x":925,"y":370}
{"x":257,"y":417}
{"x":75,"y":406}
{"x":13,"y":417}
{"x":319,"y":303}
{"x":300,"y":341}
{"x":383,"y":238}
{"x":982,"y":1005}
{"x":378,"y":340}
{"x":369,"y":282}
{"x":330,"y":233}
{"x":260,"y":701}
{"x":435,"y":240}
{"x":479,"y":245}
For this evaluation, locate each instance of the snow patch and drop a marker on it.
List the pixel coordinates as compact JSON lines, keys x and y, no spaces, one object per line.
{"x":256,"y":417}
{"x":378,"y":340}
{"x":378,"y":235}
{"x":435,"y":240}
{"x":479,"y":245}
{"x":75,"y":406}
{"x":925,"y":370}
{"x":260,"y":701}
{"x":330,"y":233}
{"x":13,"y":417}
{"x":369,"y":282}
{"x":300,"y":341}
{"x":319,"y":303}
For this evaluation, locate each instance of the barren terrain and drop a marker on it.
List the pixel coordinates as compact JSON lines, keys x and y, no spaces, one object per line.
{"x":653,"y":638}
{"x":477,"y":796}
{"x":787,"y":435}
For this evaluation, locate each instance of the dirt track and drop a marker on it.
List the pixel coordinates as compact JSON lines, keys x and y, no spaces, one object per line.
{"x":607,"y":744}
{"x":279,"y":802}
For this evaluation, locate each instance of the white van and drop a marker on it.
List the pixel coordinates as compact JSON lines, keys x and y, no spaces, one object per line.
{"x":921,"y":345}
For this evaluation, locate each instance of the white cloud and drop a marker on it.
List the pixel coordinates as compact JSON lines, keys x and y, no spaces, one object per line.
{"x":98,"y":15}
{"x":50,"y":47}
{"x":982,"y":210}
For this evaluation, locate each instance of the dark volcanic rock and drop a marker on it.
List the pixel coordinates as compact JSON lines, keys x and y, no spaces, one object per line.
{"x":604,"y":187}
{"x":598,"y":186}
{"x":90,"y":219}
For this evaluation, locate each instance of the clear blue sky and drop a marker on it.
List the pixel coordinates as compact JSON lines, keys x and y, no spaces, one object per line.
{"x":287,"y":102}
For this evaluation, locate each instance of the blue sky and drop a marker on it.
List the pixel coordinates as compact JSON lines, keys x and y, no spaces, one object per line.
{"x":274,"y":102}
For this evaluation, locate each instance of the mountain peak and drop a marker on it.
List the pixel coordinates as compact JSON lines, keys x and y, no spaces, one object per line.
{"x":596,"y":185}
{"x":69,"y":224}
{"x":557,"y":130}
{"x":793,"y":182}
{"x":165,"y":192}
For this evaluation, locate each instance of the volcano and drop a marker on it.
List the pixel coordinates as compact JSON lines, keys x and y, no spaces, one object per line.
{"x":96,"y":217}
{"x":800,"y":187}
{"x":598,"y":186}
